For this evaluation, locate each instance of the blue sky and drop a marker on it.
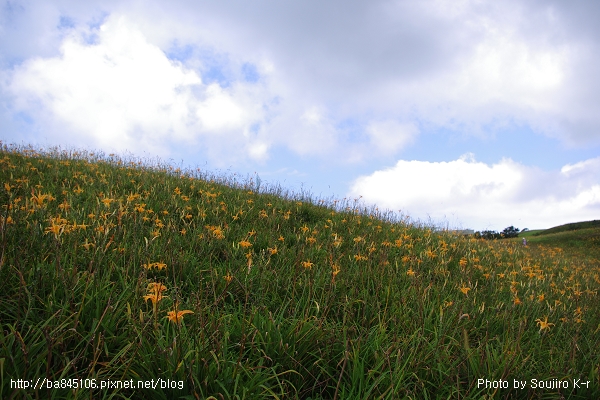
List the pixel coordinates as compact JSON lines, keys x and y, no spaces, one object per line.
{"x":463,"y":114}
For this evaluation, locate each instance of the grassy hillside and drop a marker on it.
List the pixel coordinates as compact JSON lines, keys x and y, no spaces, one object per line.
{"x":119,"y":273}
{"x":575,"y":226}
{"x":579,"y":241}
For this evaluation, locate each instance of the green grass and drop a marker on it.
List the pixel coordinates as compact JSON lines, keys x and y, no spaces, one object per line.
{"x":530,"y":233}
{"x":579,"y":241}
{"x":291,"y":297}
{"x":575,"y":226}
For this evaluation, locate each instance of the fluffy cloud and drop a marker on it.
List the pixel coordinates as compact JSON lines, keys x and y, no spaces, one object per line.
{"x":390,"y":136}
{"x":465,"y":192}
{"x":467,"y":67}
{"x":120,"y":92}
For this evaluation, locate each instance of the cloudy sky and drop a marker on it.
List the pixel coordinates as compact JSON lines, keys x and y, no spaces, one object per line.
{"x":461,"y":113}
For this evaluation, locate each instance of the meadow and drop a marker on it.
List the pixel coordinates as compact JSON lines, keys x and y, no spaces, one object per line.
{"x":122,"y":278}
{"x":579,"y":240}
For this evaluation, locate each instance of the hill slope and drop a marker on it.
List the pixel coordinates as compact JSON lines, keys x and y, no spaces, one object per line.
{"x":580,"y":240}
{"x":569,"y":227}
{"x":113,"y":270}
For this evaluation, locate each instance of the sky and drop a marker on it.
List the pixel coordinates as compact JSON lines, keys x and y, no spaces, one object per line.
{"x":461,"y":114}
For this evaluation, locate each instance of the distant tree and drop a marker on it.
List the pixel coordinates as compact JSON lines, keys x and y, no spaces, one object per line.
{"x":510,"y":232}
{"x":489,"y":235}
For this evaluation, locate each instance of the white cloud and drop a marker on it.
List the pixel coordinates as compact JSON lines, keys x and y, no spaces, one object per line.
{"x":219,"y":111}
{"x":591,"y":166}
{"x":481,"y":196}
{"x":258,"y":151}
{"x":465,"y":66}
{"x":306,"y":130}
{"x":122,"y":92}
{"x":389,"y":136}
{"x":481,"y":66}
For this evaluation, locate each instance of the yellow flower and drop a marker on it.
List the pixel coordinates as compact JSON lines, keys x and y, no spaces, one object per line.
{"x":557,"y":302}
{"x":307,"y":264}
{"x":87,"y":245}
{"x":40,"y":198}
{"x":430,"y":253}
{"x":158,"y":265}
{"x":335,"y":269}
{"x":56,"y":229}
{"x":177,"y":316}
{"x":359,"y":257}
{"x":156,"y":287}
{"x":228,"y":278}
{"x":155,"y":297}
{"x":517,"y":301}
{"x":107,"y":202}
{"x":245,"y":244}
{"x":544,"y":324}
{"x":465,"y":290}
{"x":155,"y":292}
{"x":410,"y":272}
{"x":65,"y":206}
